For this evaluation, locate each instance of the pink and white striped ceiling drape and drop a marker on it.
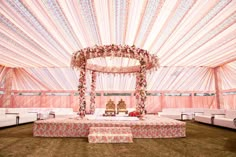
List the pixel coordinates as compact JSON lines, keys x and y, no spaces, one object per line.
{"x":37,"y":39}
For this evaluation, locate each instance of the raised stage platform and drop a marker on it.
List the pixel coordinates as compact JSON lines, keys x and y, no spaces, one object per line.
{"x":151,"y":127}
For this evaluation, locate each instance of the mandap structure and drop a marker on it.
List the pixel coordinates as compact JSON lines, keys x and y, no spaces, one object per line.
{"x":146,"y":62}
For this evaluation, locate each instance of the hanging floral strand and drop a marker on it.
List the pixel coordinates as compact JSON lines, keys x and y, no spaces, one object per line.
{"x":82,"y":88}
{"x":92,"y":94}
{"x":143,"y":87}
{"x":137,"y":95}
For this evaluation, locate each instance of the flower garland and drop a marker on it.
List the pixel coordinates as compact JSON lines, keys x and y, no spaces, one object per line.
{"x":92,"y":94}
{"x":124,"y":51}
{"x":81,"y":89}
{"x":142,"y":87}
{"x":136,"y":93}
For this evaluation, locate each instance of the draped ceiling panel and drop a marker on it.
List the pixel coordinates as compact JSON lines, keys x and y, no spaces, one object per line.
{"x":165,"y":79}
{"x":190,"y":37}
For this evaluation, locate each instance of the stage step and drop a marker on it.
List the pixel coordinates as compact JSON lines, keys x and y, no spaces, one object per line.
{"x":110,"y":135}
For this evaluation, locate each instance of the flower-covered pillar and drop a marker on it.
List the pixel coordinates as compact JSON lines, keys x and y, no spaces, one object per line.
{"x":137,"y":95}
{"x":93,"y":94}
{"x":142,"y":87}
{"x":82,"y":88}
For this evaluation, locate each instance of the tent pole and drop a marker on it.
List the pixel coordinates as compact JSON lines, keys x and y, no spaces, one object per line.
{"x":7,"y":88}
{"x":162,"y":100}
{"x":192,"y":100}
{"x":218,"y":88}
{"x":71,"y":99}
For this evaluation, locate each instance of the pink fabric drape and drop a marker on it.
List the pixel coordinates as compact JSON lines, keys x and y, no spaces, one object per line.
{"x":153,"y":103}
{"x":204,"y":102}
{"x":165,"y":79}
{"x":6,"y":101}
{"x":230,"y":102}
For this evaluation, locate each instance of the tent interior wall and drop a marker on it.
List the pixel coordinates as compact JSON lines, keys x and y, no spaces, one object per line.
{"x":32,"y":87}
{"x":153,"y":104}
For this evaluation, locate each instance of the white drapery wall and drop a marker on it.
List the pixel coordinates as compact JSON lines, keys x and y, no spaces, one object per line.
{"x":165,"y":80}
{"x":153,"y":103}
{"x":173,"y":79}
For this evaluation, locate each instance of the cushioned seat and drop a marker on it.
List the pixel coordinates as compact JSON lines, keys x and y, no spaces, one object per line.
{"x":25,"y":116}
{"x":228,"y":120}
{"x":208,"y":115}
{"x":7,"y":119}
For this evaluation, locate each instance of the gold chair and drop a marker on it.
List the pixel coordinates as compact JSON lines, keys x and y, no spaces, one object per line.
{"x":121,"y":107}
{"x":110,"y":107}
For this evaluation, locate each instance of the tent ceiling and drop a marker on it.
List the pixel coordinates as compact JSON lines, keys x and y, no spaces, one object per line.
{"x":190,"y":37}
{"x":45,"y":33}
